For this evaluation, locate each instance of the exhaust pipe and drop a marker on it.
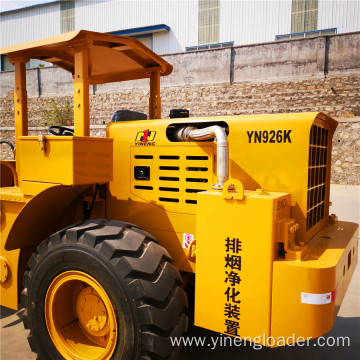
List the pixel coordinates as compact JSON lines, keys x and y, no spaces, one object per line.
{"x":190,"y":133}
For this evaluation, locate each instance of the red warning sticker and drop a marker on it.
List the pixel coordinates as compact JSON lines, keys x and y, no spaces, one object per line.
{"x":187,"y":239}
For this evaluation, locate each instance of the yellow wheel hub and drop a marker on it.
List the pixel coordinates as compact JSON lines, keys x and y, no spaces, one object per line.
{"x":92,"y":312}
{"x":80,"y":317}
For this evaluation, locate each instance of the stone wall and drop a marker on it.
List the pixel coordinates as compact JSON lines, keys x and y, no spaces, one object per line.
{"x":338,"y":96}
{"x":346,"y":153}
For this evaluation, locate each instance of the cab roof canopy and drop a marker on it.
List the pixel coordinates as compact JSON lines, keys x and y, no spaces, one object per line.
{"x":111,"y":58}
{"x":92,"y":58}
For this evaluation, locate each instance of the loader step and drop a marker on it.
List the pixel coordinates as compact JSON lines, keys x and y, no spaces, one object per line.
{"x":13,"y":193}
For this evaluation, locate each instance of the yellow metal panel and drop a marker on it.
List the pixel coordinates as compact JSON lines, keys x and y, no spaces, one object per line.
{"x":324,"y":273}
{"x":93,"y":160}
{"x":167,"y":221}
{"x":38,"y":43}
{"x":12,"y":202}
{"x":235,"y":239}
{"x":9,"y":289}
{"x":66,"y":160}
{"x":279,"y":166}
{"x":34,"y":188}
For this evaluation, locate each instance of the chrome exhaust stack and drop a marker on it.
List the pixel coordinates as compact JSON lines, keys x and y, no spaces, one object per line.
{"x":190,"y":133}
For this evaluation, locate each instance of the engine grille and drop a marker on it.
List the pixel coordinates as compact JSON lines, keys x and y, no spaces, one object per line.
{"x":317,"y":175}
{"x":177,"y":174}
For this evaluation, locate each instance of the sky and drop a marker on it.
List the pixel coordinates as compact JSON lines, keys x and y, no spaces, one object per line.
{"x":6,"y":5}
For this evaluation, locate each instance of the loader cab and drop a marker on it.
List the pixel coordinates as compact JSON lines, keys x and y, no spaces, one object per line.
{"x":91,"y":58}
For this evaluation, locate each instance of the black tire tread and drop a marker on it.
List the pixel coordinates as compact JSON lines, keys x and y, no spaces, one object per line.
{"x":159,"y":289}
{"x":164,"y":318}
{"x":159,"y":347}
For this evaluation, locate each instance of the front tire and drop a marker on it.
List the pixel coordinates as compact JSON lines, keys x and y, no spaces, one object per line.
{"x":102,"y":290}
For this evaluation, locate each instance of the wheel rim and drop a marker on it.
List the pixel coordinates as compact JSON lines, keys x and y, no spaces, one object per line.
{"x":80,"y":318}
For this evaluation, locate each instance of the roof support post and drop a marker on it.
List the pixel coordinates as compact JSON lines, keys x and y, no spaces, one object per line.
{"x":81,"y":91}
{"x":155,"y":99}
{"x":20,"y":106}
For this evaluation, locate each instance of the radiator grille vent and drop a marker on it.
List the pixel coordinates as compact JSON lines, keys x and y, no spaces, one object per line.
{"x":316,"y":194}
{"x":189,"y":170}
{"x":175,"y":180}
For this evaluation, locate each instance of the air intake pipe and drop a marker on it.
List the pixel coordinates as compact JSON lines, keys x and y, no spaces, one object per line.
{"x":190,"y":133}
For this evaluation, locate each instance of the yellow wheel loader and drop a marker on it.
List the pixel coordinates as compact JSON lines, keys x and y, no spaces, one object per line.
{"x":99,"y":236}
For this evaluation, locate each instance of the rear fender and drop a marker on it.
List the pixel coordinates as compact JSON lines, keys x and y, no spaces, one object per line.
{"x":49,"y":211}
{"x":46,"y":213}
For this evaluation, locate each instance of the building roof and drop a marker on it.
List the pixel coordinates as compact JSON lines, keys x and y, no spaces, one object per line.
{"x":111,"y":57}
{"x":50,"y":2}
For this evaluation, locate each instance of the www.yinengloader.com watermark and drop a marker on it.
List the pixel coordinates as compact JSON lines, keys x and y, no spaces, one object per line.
{"x":256,"y":343}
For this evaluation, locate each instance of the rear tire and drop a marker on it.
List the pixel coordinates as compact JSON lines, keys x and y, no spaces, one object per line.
{"x":118,"y":266}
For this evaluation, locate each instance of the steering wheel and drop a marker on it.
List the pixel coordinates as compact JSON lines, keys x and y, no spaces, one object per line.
{"x":61,"y":130}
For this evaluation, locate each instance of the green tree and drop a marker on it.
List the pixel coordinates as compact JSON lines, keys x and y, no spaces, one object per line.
{"x":58,"y":114}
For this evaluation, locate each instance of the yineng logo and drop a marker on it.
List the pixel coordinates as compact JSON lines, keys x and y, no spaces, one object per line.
{"x":145,"y":138}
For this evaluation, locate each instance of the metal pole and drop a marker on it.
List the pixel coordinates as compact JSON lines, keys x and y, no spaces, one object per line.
{"x":20,"y":106}
{"x":155,"y":99}
{"x":81,"y":91}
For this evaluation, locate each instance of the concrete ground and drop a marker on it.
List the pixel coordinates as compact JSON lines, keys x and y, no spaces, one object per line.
{"x":346,"y":204}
